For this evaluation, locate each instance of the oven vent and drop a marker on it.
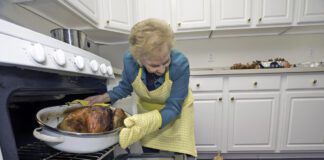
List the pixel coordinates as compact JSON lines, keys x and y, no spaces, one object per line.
{"x":39,"y":150}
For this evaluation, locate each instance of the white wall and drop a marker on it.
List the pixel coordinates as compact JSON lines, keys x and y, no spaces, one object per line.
{"x":223,"y":52}
{"x":114,"y":53}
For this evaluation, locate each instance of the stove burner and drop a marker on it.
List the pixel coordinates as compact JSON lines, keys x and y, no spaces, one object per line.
{"x":39,"y":150}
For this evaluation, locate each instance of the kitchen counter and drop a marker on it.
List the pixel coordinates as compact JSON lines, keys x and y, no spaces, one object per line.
{"x":222,"y":71}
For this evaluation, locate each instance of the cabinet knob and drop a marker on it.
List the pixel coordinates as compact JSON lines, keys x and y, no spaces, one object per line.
{"x":255,"y":83}
{"x":197,"y":85}
{"x":220,"y":99}
{"x":108,"y":22}
{"x":232,"y":99}
{"x":260,"y":19}
{"x":314,"y":81}
{"x":179,"y":24}
{"x":249,"y":20}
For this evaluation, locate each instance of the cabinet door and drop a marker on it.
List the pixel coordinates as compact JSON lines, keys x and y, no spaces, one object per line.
{"x":160,"y":9}
{"x":87,"y":8}
{"x":233,"y":13}
{"x":304,"y":117}
{"x":208,"y":109}
{"x":118,"y":14}
{"x":192,"y":14}
{"x":252,"y":123}
{"x":311,"y":11}
{"x":274,"y":12}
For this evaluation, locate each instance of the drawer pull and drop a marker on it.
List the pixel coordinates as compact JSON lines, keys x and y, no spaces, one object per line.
{"x":232,"y":99}
{"x":260,"y":19}
{"x":255,"y":83}
{"x":198,"y":85}
{"x":220,"y":99}
{"x":314,"y":81}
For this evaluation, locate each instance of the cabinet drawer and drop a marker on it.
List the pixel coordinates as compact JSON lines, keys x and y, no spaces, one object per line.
{"x":305,"y":81}
{"x":206,"y":83}
{"x":263,"y":82}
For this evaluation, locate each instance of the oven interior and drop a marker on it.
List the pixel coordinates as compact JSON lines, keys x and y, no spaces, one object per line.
{"x":23,"y":93}
{"x":23,"y":109}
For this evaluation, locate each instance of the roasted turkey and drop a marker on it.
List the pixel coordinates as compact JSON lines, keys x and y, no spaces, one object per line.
{"x":118,"y":119}
{"x":93,"y":119}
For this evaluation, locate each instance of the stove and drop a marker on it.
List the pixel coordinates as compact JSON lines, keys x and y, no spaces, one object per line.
{"x":38,"y":71}
{"x":28,"y":49}
{"x":39,"y":150}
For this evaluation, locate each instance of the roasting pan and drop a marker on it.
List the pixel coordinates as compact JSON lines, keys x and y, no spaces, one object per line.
{"x":71,"y":142}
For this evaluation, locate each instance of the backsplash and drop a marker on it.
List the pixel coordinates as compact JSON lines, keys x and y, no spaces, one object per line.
{"x":223,"y":52}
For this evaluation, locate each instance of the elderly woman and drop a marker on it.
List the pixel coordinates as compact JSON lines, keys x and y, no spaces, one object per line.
{"x":159,"y":75}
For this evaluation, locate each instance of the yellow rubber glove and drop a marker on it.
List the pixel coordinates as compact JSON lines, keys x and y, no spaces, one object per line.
{"x":86,"y":103}
{"x":138,"y":126}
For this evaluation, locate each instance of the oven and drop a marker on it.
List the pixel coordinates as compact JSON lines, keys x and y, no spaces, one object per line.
{"x":37,"y":71}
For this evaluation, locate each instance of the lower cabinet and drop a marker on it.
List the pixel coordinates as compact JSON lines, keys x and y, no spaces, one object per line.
{"x":304,"y":120}
{"x":252,"y":121}
{"x":255,"y":113}
{"x":208,"y":116}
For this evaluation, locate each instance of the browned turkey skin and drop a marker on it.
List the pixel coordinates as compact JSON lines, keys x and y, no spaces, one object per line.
{"x":118,"y":119}
{"x":93,"y":119}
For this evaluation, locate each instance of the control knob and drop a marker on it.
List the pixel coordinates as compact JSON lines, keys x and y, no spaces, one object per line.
{"x":38,"y":53}
{"x":59,"y":57}
{"x":94,"y":65}
{"x":103,"y":68}
{"x":79,"y":62}
{"x":110,"y":70}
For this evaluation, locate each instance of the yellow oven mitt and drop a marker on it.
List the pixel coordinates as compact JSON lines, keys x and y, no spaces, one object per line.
{"x":138,"y":126}
{"x":86,"y":103}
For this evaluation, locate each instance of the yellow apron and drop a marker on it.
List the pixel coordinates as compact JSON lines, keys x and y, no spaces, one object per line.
{"x":178,"y":135}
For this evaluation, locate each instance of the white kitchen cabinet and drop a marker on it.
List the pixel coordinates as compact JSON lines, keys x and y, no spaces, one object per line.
{"x":254,"y":113}
{"x":118,"y":14}
{"x":160,"y":9}
{"x":87,"y":9}
{"x":208,"y":116}
{"x":303,"y":127}
{"x":192,"y":15}
{"x":252,"y":121}
{"x":274,"y":12}
{"x":303,"y":112}
{"x":233,"y":13}
{"x":243,"y":13}
{"x":208,"y":109}
{"x":310,"y":11}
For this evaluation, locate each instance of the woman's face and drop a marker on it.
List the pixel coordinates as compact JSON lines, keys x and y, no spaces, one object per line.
{"x":158,"y":64}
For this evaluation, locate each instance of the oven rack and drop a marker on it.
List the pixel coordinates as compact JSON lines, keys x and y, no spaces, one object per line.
{"x":40,"y":151}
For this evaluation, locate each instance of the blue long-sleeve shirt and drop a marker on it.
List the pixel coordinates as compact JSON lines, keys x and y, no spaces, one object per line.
{"x":179,"y":75}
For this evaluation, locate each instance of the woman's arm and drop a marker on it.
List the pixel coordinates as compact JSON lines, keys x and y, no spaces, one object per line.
{"x":125,"y":87}
{"x":179,"y":74}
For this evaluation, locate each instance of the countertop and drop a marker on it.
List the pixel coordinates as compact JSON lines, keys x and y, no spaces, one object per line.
{"x":224,"y":71}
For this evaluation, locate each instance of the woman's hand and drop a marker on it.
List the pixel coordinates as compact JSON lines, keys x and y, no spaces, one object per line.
{"x":102,"y":98}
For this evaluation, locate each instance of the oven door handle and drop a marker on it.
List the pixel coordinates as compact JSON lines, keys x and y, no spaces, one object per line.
{"x":47,"y":138}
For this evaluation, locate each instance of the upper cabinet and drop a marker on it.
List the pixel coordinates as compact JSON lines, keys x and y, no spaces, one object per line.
{"x":189,"y":19}
{"x":160,"y":9}
{"x":248,"y":13}
{"x":88,"y":9}
{"x":232,"y":13}
{"x":118,"y":14}
{"x":274,"y":12}
{"x":192,"y":15}
{"x":310,"y":11}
